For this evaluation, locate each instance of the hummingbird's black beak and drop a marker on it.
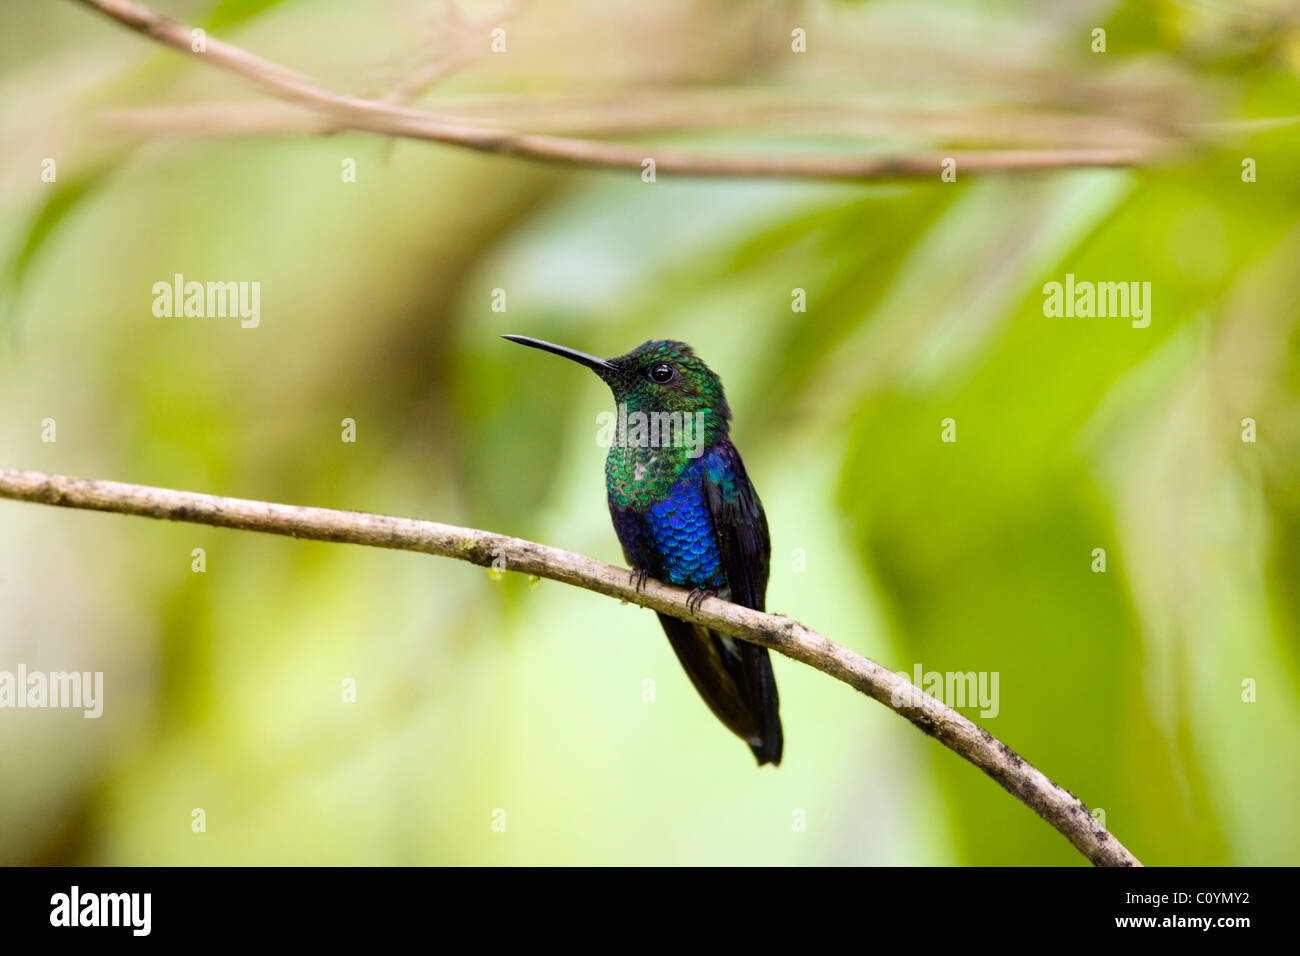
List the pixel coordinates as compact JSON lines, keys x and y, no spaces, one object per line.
{"x":597,"y":365}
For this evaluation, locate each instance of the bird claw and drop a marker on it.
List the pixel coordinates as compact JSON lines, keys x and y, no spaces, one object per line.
{"x":696,"y":598}
{"x":638,"y":578}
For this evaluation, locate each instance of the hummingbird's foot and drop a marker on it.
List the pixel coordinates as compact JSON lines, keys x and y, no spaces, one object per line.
{"x":696,"y":598}
{"x":637,"y":579}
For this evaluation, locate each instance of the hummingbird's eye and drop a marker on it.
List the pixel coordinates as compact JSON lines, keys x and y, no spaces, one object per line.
{"x":662,"y":374}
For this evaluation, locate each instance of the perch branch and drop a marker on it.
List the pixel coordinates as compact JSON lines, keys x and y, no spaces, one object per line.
{"x":1057,"y":806}
{"x":394,"y":119}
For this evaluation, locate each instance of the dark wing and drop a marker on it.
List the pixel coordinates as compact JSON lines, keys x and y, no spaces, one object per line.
{"x":745,"y":551}
{"x":740,"y":525}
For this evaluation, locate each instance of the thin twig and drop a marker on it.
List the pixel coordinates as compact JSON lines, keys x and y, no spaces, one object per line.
{"x":420,"y":80}
{"x":667,"y":111}
{"x":391,"y":119}
{"x":1057,"y":806}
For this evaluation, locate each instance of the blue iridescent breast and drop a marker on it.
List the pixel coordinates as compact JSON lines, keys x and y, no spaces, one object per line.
{"x":681,"y":529}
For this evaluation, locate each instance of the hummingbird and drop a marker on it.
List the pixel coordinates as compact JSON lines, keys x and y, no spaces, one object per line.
{"x":686,"y":514}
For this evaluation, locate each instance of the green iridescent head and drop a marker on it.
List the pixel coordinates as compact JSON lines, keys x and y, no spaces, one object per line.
{"x":654,"y":377}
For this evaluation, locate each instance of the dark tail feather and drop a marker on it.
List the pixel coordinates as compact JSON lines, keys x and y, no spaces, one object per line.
{"x":761,"y":680}
{"x":738,"y":685}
